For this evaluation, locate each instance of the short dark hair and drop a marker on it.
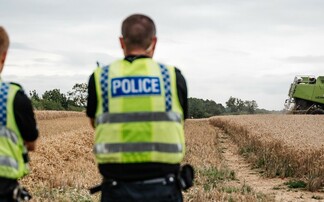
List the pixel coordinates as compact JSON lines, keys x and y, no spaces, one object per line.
{"x":4,"y":40}
{"x":138,"y":31}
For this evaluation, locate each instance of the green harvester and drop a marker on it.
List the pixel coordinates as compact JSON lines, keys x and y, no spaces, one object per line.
{"x":306,"y":95}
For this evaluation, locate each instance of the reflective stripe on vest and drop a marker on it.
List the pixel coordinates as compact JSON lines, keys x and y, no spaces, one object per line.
{"x":4,"y":132}
{"x":9,"y":162}
{"x":138,"y":117}
{"x":137,"y":147}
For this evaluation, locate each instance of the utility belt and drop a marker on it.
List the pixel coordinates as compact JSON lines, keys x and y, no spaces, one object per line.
{"x":184,"y":180}
{"x":17,"y":194}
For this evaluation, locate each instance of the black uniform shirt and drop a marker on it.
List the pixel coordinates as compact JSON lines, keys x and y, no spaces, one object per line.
{"x":26,"y":124}
{"x":25,"y":117}
{"x":137,"y":171}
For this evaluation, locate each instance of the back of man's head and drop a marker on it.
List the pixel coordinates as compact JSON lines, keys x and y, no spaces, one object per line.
{"x":138,"y":31}
{"x":4,"y":40}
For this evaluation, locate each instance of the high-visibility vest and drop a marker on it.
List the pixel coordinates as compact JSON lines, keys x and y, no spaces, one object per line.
{"x":139,"y":117}
{"x":12,"y":163}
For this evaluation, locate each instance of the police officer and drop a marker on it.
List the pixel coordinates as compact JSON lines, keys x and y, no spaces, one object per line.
{"x":18,"y":133}
{"x":137,"y":107}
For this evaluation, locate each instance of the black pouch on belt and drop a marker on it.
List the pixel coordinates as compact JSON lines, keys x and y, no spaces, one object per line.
{"x":21,"y":194}
{"x":186,"y":176}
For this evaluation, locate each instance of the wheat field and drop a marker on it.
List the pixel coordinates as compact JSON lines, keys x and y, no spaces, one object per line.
{"x":284,"y":145}
{"x":296,"y":131}
{"x":214,"y":180}
{"x":63,"y":166}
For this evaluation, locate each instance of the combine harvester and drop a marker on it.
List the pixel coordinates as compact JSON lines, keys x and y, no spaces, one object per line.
{"x":306,"y":95}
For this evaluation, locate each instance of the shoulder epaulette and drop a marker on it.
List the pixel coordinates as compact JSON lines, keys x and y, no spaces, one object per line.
{"x":16,"y":84}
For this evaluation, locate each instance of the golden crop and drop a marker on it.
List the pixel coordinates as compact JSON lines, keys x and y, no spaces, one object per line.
{"x":63,"y":166}
{"x":46,"y":115}
{"x":283,"y":145}
{"x":214,"y":180}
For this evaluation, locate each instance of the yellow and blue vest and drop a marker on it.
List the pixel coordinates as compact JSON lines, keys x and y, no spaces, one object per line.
{"x":139,"y":117}
{"x":12,"y":163}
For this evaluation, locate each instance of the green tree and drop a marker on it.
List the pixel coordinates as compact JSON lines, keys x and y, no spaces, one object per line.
{"x":238,"y":106}
{"x":51,"y":105}
{"x":199,"y":108}
{"x":212,"y":108}
{"x":57,"y":97}
{"x":34,"y":95}
{"x":36,"y":100}
{"x":196,"y":108}
{"x":231,"y":105}
{"x":79,"y":94}
{"x":251,"y":106}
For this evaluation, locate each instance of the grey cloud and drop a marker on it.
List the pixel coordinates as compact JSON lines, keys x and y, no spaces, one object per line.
{"x":74,"y":60}
{"x":69,"y":57}
{"x":270,"y":90}
{"x":304,"y":59}
{"x":235,"y":52}
{"x":84,"y":60}
{"x":19,"y":46}
{"x":41,"y":83}
{"x":42,"y":60}
{"x":24,"y":47}
{"x":247,"y":16}
{"x":250,"y":15}
{"x":268,"y":84}
{"x":207,"y":33}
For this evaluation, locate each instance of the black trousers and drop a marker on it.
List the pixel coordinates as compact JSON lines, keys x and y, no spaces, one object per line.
{"x":140,"y":192}
{"x":6,"y":189}
{"x":6,"y":199}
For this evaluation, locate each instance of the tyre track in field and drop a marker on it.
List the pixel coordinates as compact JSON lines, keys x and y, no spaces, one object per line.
{"x":252,"y":177}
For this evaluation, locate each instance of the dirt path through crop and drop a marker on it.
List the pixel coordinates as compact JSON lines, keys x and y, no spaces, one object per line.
{"x":252,"y":177}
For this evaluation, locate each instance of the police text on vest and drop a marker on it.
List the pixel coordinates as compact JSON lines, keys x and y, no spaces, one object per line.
{"x":133,"y":86}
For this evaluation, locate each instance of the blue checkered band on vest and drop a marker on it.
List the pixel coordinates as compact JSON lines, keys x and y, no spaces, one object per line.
{"x":167,"y":87}
{"x":3,"y":103}
{"x":104,"y":87}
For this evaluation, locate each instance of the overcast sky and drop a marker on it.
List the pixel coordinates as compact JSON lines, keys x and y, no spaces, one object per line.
{"x":250,"y":49}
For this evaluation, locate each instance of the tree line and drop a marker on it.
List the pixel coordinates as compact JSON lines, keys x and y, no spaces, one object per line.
{"x":76,"y":100}
{"x":200,"y":108}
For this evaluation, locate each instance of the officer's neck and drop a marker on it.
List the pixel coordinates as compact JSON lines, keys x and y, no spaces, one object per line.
{"x":136,"y":52}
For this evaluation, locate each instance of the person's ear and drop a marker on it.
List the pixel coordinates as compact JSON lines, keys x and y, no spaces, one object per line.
{"x":154,"y":41}
{"x":2,"y":60}
{"x":3,"y":57}
{"x":122,"y":42}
